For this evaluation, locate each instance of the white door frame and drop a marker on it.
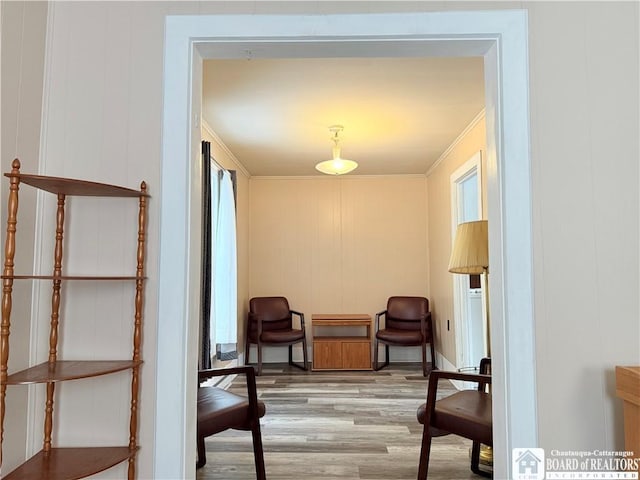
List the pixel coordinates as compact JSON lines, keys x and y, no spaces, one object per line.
{"x":499,"y":36}
{"x":460,"y":313}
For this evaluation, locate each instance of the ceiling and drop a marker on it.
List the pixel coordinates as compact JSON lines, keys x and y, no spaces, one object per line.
{"x":399,"y":114}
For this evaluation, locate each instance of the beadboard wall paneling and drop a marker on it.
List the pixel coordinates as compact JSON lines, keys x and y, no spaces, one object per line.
{"x":584,"y":64}
{"x":338,"y":245}
{"x":101,"y":99}
{"x":584,"y":146}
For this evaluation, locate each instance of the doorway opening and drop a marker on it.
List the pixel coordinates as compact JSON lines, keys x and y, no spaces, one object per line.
{"x":500,"y":37}
{"x":468,"y":308}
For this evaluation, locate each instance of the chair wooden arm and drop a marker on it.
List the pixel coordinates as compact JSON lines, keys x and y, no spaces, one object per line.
{"x":301,"y":315}
{"x":378,"y":315}
{"x":248,"y":371}
{"x":485,"y":366}
{"x":436,"y":375}
{"x":423,"y":323}
{"x":219,"y":372}
{"x":465,"y":377}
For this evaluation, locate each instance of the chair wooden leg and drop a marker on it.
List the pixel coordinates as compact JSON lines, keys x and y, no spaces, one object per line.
{"x":376,"y":365}
{"x":303,"y":365}
{"x":433,"y":356}
{"x":375,"y":355}
{"x":425,"y":450}
{"x":425,"y":373}
{"x":247,"y":344}
{"x":475,"y":456}
{"x":304,"y":355}
{"x":258,"y":453}
{"x":259,"y":359}
{"x":247,"y":349}
{"x":202,"y":454}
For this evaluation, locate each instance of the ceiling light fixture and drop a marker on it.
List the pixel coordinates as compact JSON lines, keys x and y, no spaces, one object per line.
{"x":337,"y":165}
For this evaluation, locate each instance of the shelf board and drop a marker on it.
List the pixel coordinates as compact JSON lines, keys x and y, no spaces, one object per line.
{"x":72,"y":277}
{"x":340,"y":316}
{"x":70,"y":463}
{"x":69,"y":370}
{"x":70,"y":186}
{"x":340,"y":323}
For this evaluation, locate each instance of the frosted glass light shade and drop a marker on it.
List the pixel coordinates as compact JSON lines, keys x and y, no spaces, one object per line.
{"x":470,"y":253}
{"x":336,"y":166}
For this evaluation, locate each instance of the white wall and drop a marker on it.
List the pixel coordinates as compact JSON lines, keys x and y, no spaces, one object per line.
{"x":104,"y":122}
{"x":86,"y":135}
{"x":584,"y":125}
{"x":23,"y":45}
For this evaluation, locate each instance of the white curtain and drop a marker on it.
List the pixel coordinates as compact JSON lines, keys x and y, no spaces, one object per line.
{"x":225,"y":292}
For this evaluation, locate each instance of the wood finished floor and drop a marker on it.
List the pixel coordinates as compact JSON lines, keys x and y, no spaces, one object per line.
{"x":338,"y":425}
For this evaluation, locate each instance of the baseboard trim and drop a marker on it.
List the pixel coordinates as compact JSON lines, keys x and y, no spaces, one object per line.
{"x":273,"y":354}
{"x":450,"y":367}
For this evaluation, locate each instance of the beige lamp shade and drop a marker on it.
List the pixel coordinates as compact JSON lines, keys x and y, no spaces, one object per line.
{"x":470,"y":254}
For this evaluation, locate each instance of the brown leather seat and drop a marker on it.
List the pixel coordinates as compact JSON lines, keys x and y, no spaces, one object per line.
{"x":270,"y":322}
{"x":407,"y":323}
{"x":466,"y":413}
{"x":220,"y":410}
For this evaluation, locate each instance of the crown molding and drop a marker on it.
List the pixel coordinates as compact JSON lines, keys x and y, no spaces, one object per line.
{"x":335,"y":177}
{"x":455,"y":143}
{"x":226,"y":150}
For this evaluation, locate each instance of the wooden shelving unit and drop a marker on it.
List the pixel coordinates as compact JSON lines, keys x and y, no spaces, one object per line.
{"x":53,"y":463}
{"x":341,"y":352}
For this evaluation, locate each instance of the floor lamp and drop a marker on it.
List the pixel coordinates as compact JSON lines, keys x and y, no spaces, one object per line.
{"x":470,"y":256}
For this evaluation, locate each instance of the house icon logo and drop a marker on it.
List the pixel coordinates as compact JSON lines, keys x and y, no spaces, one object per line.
{"x":528,"y":463}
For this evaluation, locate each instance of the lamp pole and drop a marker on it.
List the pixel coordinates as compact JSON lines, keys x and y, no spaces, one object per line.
{"x":485,"y":289}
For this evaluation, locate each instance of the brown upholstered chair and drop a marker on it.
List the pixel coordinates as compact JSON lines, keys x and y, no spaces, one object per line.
{"x":220,"y":410}
{"x":466,"y":413}
{"x":270,"y":322}
{"x":407,"y":323}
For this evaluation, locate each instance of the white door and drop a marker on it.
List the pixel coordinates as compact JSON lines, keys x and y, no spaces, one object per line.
{"x":466,"y":206}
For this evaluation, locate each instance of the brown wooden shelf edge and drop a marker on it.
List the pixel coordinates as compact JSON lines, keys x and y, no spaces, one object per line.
{"x":70,"y":463}
{"x":72,"y":277}
{"x":72,"y":186}
{"x":64,"y":370}
{"x":77,"y":462}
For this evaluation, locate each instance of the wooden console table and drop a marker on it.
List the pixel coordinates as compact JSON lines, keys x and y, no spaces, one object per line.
{"x":341,"y":352}
{"x":628,"y":388}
